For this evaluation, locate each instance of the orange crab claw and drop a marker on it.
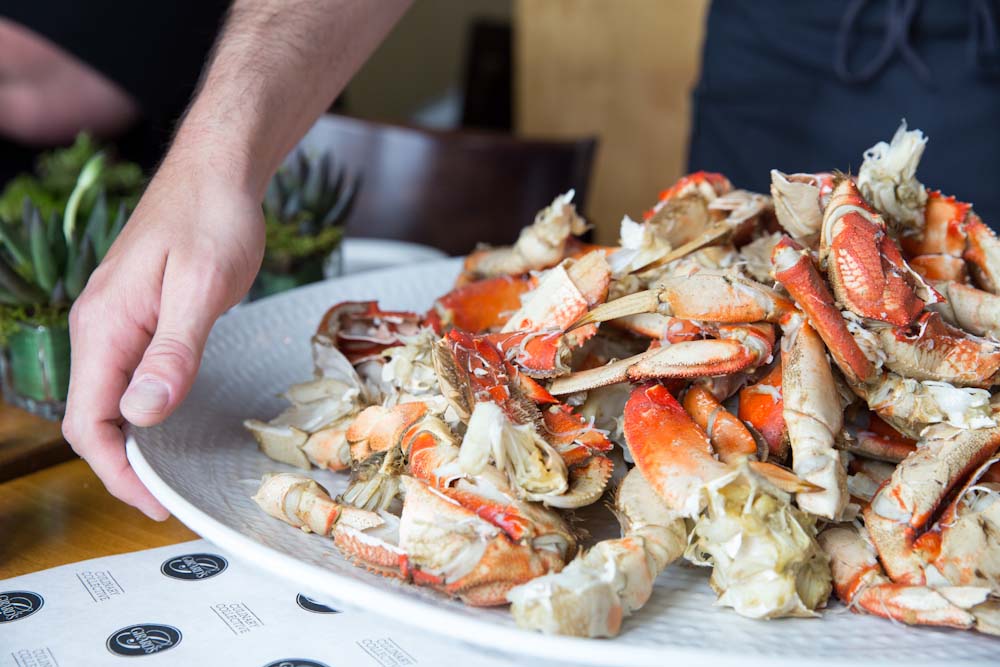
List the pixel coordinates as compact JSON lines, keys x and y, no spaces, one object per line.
{"x":865,"y":266}
{"x":794,"y":268}
{"x":657,"y":326}
{"x":732,"y":441}
{"x":762,"y":407}
{"x":741,"y":348}
{"x":736,"y":349}
{"x":673,"y":453}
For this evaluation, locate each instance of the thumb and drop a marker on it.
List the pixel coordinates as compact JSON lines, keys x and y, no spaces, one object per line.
{"x":170,"y":363}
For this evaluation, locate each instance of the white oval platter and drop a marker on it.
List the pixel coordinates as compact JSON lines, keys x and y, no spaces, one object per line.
{"x":204,"y":467}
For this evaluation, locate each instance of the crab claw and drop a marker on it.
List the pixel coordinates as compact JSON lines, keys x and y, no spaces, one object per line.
{"x":761,"y":406}
{"x":675,"y":454}
{"x":742,"y":347}
{"x":938,"y":351}
{"x":706,"y":296}
{"x":904,"y":507}
{"x":865,"y":266}
{"x":860,"y":583}
{"x":794,"y":268}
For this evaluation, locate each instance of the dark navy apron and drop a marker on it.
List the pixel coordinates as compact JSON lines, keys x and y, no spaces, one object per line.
{"x":809,"y":85}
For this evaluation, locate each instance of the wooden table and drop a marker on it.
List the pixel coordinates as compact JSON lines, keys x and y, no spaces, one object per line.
{"x":63,"y":514}
{"x":28,"y":443}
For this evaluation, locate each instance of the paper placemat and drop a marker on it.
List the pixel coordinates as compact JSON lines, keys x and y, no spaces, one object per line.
{"x":192,"y":604}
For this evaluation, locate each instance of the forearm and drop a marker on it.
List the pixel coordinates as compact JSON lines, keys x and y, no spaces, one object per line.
{"x":277,"y":66}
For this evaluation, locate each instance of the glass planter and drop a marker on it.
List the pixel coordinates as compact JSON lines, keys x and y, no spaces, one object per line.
{"x":34,"y":368}
{"x":270,"y":281}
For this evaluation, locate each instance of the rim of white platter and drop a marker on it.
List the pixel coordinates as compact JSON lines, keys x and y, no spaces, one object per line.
{"x":204,"y":467}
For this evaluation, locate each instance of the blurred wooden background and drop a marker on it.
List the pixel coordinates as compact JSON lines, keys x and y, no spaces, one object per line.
{"x":621,"y":70}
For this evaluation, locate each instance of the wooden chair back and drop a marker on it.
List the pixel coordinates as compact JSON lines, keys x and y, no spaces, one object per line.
{"x":450,"y":189}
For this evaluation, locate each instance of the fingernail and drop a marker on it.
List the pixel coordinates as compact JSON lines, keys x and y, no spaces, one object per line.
{"x":149,"y":396}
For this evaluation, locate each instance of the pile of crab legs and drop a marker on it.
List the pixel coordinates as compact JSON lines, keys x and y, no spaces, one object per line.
{"x":801,"y":384}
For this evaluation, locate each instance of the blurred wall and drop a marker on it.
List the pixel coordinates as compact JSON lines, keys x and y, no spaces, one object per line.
{"x":622,"y":70}
{"x":418,"y":71}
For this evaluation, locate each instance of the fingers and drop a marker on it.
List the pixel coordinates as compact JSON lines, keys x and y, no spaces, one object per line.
{"x":108,"y":460}
{"x":104,"y":348}
{"x":190,"y":303}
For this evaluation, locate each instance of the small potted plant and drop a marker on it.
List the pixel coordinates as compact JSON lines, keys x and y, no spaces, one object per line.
{"x":45,"y":262}
{"x":55,"y":175}
{"x":305,"y":207}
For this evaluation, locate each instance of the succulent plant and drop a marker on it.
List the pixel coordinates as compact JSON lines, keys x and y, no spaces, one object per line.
{"x":305,"y":207}
{"x":45,"y":261}
{"x":55,"y":176}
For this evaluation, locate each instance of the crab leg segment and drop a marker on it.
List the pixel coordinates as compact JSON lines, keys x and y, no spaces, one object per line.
{"x":903,"y":508}
{"x":563,"y":294}
{"x":814,"y":418}
{"x":880,"y":441}
{"x":363,"y":536}
{"x":539,"y":245}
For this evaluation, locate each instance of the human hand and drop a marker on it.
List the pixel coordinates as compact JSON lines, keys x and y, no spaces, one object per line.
{"x":190,"y":251}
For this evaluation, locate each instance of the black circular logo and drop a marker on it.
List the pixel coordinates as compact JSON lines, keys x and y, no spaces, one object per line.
{"x":143,"y":639}
{"x":19,"y":604}
{"x":192,"y":567}
{"x":309,"y":604}
{"x":295,"y":662}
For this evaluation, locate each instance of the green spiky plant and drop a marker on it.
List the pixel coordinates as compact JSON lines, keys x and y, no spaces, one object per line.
{"x":305,"y":208}
{"x":45,"y":263}
{"x":55,"y":176}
